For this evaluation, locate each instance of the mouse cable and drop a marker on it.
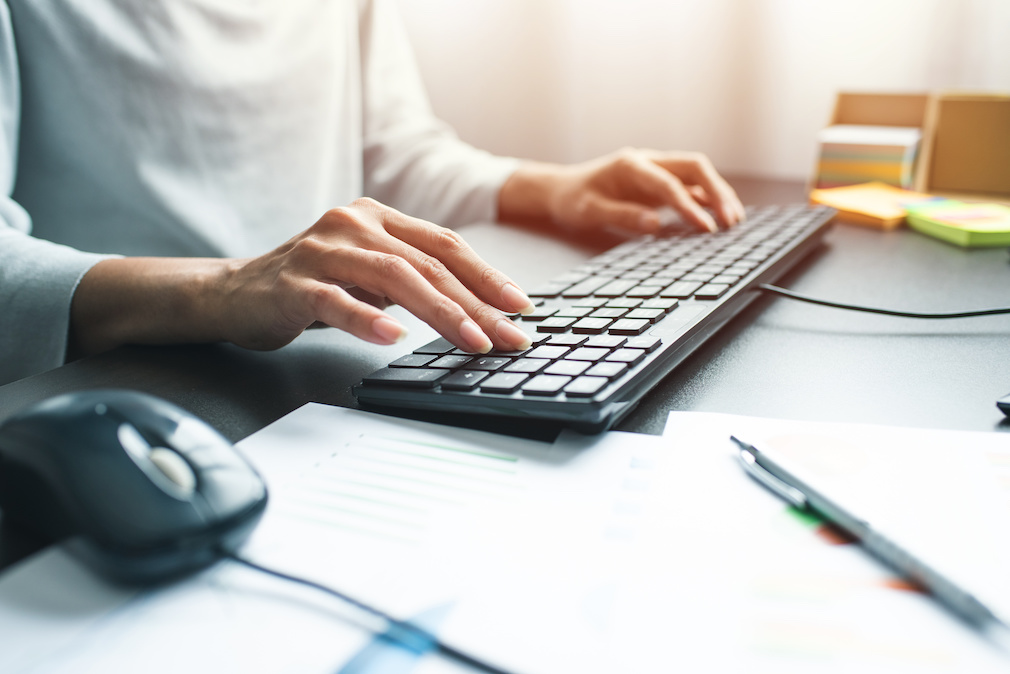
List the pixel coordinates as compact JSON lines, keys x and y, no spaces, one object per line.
{"x":410,"y":636}
{"x":775,"y":290}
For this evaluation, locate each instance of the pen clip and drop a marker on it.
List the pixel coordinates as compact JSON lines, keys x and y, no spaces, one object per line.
{"x":748,"y":459}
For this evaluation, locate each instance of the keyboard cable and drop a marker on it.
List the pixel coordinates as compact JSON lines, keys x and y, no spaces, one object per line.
{"x":799,"y":297}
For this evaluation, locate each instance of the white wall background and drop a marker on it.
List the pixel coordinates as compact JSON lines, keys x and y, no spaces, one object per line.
{"x":749,"y":82}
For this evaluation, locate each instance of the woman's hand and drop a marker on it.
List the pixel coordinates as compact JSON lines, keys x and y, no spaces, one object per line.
{"x":339,"y":272}
{"x":626,"y":190}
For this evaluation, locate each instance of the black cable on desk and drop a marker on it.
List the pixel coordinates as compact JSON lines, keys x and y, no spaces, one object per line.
{"x":417,"y":639}
{"x":775,"y":290}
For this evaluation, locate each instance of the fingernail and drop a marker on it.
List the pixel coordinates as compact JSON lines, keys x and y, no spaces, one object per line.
{"x":510,"y":332}
{"x":649,"y":221}
{"x":388,"y":330}
{"x":709,"y":223}
{"x":517,"y":298}
{"x":474,"y":337}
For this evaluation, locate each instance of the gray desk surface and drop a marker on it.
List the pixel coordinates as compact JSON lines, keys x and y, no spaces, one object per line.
{"x":777,"y":359}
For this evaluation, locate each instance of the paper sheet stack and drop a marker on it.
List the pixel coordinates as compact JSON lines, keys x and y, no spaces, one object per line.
{"x":855,"y":153}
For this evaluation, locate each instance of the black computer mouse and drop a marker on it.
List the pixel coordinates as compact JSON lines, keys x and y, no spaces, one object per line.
{"x":141,"y":490}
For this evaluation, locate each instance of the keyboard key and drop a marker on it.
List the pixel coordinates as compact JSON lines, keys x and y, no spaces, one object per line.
{"x":644,"y":291}
{"x":624,"y":303}
{"x":629,"y":356}
{"x":593,"y":302}
{"x":545,"y":385}
{"x":407,"y":377}
{"x":608,"y":313}
{"x":680,"y":289}
{"x":615,"y":288}
{"x":629,"y":326}
{"x":555,"y":324}
{"x":607,"y":369}
{"x":698,"y":277}
{"x":452,"y":362}
{"x":438,"y":347}
{"x":566,"y":340}
{"x":528,"y":365}
{"x":711,"y":291}
{"x":413,"y":360}
{"x":591,"y":326}
{"x":666,"y":304}
{"x":574,"y":312}
{"x":587,"y":287}
{"x":540,"y":313}
{"x":585,"y":386}
{"x":503,"y":382}
{"x":588,"y":353}
{"x":488,"y":363}
{"x":547,"y":290}
{"x":508,"y":354}
{"x":728,"y":279}
{"x":605,"y":341}
{"x":464,"y":380}
{"x":571,"y":277}
{"x":652,"y":315}
{"x":646,"y":342}
{"x":571,"y":368}
{"x":709,"y":269}
{"x":548,"y":352}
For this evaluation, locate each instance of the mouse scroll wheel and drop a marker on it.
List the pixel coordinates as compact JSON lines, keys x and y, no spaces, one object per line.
{"x":175,"y":468}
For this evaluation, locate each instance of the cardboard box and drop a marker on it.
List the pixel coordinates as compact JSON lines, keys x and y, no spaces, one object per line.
{"x":965,"y":151}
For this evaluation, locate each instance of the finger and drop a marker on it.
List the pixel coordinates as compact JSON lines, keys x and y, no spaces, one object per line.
{"x":468,"y":323}
{"x":375,"y":264}
{"x":368,"y":298}
{"x":697,"y":169}
{"x":503,"y":332}
{"x":666,"y":188}
{"x":698,"y":194}
{"x":334,"y":306}
{"x":448,"y":247}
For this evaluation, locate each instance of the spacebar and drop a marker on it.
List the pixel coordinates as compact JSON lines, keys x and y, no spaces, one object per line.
{"x":413,"y":377}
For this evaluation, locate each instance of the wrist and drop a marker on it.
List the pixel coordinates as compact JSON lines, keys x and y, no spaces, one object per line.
{"x":529,"y":195}
{"x":149,"y":301}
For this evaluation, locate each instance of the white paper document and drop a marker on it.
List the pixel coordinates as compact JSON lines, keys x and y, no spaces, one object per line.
{"x":618,"y":552}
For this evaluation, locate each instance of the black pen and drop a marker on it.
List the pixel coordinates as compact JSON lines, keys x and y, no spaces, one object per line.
{"x":773,"y":476}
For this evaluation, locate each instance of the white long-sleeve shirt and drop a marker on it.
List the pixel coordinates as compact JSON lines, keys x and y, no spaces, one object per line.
{"x":202,"y":128}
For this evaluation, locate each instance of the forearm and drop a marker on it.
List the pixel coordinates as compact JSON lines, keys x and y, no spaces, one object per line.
{"x":148,"y":301}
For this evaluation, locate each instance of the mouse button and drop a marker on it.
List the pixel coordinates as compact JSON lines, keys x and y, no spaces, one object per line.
{"x":163,"y":467}
{"x":230,"y":491}
{"x":175,"y":468}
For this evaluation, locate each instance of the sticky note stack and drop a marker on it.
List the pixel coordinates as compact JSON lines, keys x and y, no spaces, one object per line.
{"x":872,"y":204}
{"x":855,"y":153}
{"x":960,"y":223}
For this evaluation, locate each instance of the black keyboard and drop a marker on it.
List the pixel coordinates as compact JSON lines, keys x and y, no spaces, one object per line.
{"x":607,"y":331}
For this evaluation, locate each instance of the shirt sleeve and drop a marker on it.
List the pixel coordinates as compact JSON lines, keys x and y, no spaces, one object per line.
{"x":412,"y":160}
{"x":37,"y":278}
